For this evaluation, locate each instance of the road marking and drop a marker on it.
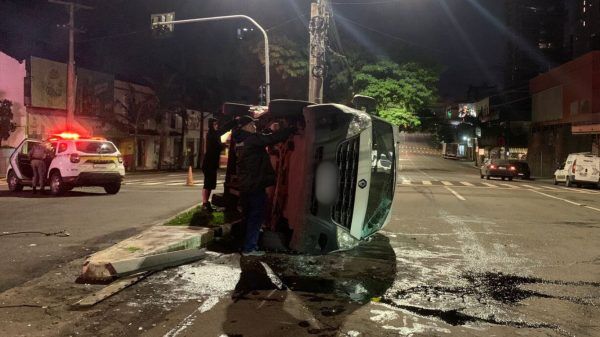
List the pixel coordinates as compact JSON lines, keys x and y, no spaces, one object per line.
{"x":567,"y":201}
{"x":460,"y":197}
{"x":466,"y":183}
{"x":176,"y":184}
{"x":532,"y":187}
{"x":406,"y":182}
{"x":550,"y":188}
{"x":490,"y":185}
{"x":447,"y":183}
{"x":509,"y":185}
{"x":151,"y":184}
{"x":426,"y":182}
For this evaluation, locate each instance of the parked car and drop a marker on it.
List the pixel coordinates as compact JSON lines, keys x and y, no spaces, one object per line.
{"x":522,"y":167}
{"x":497,"y":168}
{"x":76,"y":161}
{"x":579,"y":169}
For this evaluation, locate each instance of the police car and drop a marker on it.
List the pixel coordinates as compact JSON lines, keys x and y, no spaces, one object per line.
{"x":74,"y":161}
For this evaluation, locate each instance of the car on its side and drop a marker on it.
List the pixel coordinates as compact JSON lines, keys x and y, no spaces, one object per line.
{"x":579,"y":169}
{"x":499,"y":168}
{"x":74,"y":161}
{"x":522,"y":167}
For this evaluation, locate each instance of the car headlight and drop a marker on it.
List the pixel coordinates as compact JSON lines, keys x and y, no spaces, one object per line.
{"x":360,"y":122}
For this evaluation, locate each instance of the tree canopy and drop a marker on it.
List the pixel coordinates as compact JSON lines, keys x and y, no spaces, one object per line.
{"x":6,"y":124}
{"x":401,"y":90}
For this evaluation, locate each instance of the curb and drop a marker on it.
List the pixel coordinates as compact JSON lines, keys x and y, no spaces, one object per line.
{"x":155,"y":248}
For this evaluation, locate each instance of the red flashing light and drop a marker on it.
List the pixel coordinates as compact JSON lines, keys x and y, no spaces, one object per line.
{"x":66,"y":135}
{"x":492,"y":166}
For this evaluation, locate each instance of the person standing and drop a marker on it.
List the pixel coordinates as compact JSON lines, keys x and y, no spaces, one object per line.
{"x":37,"y":157}
{"x":210,"y":163}
{"x":255,"y":173}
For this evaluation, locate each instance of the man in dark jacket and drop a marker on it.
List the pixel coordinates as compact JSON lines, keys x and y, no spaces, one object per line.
{"x":255,"y":174}
{"x":210,"y":163}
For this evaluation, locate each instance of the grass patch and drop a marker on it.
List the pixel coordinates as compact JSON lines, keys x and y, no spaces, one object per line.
{"x":199,"y":218}
{"x":132,"y":249}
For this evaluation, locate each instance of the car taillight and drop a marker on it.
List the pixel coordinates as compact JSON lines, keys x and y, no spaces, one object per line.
{"x":120,"y":159}
{"x":492,"y":166}
{"x":574,"y":166}
{"x":512,"y":168}
{"x":75,"y":158}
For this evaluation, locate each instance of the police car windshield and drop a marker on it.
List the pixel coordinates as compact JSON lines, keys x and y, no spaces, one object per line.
{"x":95,"y":147}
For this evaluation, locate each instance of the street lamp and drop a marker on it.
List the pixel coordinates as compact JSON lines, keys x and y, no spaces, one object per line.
{"x":229,"y":17}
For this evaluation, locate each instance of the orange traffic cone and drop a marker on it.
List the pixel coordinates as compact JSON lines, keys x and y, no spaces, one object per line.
{"x":190,"y":178}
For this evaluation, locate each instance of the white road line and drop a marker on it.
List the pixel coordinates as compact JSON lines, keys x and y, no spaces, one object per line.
{"x":176,"y":184}
{"x":152,"y":183}
{"x":490,"y":185}
{"x":577,"y":190}
{"x":509,"y":185}
{"x":550,"y":188}
{"x":406,"y":182}
{"x":532,"y":187}
{"x":460,"y":197}
{"x":466,"y":183}
{"x":426,"y":182}
{"x":566,"y":200}
{"x":447,"y":183}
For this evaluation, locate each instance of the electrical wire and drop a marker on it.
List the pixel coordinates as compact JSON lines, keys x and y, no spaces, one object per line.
{"x":286,"y":22}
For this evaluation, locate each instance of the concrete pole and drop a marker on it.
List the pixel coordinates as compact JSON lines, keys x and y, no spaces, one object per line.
{"x":229,"y":17}
{"x":71,"y":69}
{"x":319,"y":22}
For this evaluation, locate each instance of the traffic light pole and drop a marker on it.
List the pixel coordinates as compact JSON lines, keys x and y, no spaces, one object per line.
{"x":319,"y":22}
{"x":229,"y":17}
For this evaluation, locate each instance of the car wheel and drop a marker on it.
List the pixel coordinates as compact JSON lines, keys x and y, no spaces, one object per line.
{"x":56,"y":184}
{"x":487,"y":177}
{"x":555,"y":181}
{"x":481,"y":175}
{"x":568,"y":182}
{"x":13,"y":182}
{"x":503,"y":178}
{"x":112,"y":188}
{"x":510,"y":178}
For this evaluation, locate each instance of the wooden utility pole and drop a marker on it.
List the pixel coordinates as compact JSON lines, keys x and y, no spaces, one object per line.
{"x":319,"y":23}
{"x":71,"y":6}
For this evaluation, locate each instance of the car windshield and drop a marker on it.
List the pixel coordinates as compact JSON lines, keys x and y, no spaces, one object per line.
{"x":99,"y":147}
{"x":382,"y":177}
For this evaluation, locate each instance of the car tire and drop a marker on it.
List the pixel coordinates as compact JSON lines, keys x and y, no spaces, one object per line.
{"x":56,"y":184}
{"x":13,"y":182}
{"x":481,"y":175}
{"x":487,"y":177}
{"x":113,"y":188}
{"x":555,"y":181}
{"x":510,"y":178}
{"x":568,"y":182}
{"x":503,"y":178}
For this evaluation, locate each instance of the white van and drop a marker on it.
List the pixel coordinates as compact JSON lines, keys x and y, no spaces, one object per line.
{"x":579,"y":169}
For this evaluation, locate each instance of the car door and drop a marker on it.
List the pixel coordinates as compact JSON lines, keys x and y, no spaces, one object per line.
{"x":20,"y":159}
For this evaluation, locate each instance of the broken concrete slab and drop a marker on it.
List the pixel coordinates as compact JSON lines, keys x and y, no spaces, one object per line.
{"x":150,"y":249}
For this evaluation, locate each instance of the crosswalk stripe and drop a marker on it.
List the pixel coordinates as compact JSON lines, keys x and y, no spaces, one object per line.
{"x":490,"y":185}
{"x":532,"y":187}
{"x":509,"y":185}
{"x":447,"y":183}
{"x":466,"y":183}
{"x":426,"y":182}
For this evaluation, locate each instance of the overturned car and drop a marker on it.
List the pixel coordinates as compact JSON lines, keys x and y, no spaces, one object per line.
{"x":336,"y":178}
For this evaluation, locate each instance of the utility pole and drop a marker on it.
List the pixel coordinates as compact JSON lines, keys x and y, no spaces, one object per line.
{"x":71,"y":6}
{"x":319,"y":23}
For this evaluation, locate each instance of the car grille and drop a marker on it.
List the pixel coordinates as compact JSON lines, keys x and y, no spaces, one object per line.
{"x":347,"y":162}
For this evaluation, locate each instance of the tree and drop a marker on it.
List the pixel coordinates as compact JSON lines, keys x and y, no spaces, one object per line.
{"x":137,"y":110}
{"x":6,"y":124}
{"x":401,"y":91}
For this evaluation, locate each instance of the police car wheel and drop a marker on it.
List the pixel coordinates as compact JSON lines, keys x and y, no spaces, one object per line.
{"x":56,"y":184}
{"x":13,"y":182}
{"x":112,"y":188}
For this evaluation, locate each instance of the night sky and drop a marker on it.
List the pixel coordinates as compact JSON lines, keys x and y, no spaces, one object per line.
{"x":453,"y":33}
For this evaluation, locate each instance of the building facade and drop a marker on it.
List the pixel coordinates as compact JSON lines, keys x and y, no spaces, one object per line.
{"x":583,"y":30}
{"x":566,"y":113}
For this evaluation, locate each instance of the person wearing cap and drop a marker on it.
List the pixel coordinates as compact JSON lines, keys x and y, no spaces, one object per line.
{"x":255,"y":173}
{"x":210,"y":163}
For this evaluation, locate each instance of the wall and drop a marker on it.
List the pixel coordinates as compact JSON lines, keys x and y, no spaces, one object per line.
{"x":12,"y":82}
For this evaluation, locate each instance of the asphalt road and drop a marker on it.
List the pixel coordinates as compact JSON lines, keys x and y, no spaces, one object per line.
{"x":91,"y":217}
{"x":462,"y":257}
